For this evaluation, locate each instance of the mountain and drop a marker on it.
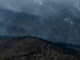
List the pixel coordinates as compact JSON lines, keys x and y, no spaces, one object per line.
{"x":33,"y":48}
{"x":54,"y":28}
{"x":16,"y":23}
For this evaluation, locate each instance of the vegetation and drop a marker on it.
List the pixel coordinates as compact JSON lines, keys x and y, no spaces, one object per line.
{"x":29,"y":48}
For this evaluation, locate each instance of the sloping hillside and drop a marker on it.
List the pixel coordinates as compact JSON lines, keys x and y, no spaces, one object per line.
{"x":32,"y":48}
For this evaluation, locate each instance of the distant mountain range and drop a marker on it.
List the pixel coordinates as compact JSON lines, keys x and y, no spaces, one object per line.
{"x":52,"y":28}
{"x":25,"y":36}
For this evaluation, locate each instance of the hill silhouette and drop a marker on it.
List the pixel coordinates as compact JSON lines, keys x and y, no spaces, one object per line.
{"x":22,"y":48}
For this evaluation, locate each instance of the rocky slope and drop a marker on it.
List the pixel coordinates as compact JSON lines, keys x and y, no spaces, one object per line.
{"x":32,"y":48}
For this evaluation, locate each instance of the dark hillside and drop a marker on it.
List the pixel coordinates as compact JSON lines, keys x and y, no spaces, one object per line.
{"x":32,"y":48}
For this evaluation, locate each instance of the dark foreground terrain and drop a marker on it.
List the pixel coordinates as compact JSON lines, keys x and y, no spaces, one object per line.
{"x":32,"y":48}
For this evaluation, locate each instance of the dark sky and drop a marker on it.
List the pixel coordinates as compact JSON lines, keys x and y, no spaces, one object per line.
{"x":54,"y":20}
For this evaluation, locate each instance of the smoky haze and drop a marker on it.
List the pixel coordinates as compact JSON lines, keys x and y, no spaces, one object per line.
{"x":39,"y":7}
{"x":54,"y":20}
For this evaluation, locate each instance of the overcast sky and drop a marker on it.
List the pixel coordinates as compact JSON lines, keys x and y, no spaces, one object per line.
{"x":40,"y":7}
{"x":41,"y":18}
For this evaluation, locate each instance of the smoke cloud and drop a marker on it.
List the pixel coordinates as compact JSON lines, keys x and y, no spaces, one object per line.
{"x":54,"y":20}
{"x":40,"y":7}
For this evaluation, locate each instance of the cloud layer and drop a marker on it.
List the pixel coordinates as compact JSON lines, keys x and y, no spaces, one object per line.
{"x":54,"y":20}
{"x":40,"y":7}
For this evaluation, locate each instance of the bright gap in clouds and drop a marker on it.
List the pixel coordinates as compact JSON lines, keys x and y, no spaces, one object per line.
{"x":77,"y":4}
{"x":38,"y":1}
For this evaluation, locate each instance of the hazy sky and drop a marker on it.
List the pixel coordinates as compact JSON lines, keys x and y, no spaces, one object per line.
{"x":40,"y":7}
{"x":56,"y":20}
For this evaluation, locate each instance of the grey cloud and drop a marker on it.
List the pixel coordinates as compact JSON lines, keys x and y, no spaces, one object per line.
{"x":47,"y":21}
{"x":28,"y":6}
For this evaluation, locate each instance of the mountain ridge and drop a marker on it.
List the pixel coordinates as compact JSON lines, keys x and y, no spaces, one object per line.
{"x":22,"y":46}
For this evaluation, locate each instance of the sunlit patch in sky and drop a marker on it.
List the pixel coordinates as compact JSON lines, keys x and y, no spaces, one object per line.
{"x":38,"y":1}
{"x":77,"y":5}
{"x":69,"y":20}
